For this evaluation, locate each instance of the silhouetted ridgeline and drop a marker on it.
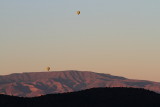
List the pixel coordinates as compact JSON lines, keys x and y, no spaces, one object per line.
{"x":42,"y":83}
{"x":97,"y":97}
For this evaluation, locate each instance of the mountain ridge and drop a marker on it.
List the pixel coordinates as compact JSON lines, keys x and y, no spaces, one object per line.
{"x":95,"y":97}
{"x":42,"y":83}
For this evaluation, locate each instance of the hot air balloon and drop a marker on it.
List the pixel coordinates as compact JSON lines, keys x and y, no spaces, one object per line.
{"x":48,"y":68}
{"x":78,"y":12}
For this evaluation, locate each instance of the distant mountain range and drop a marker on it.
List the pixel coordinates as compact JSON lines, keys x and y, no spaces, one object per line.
{"x":42,"y":83}
{"x":96,"y":97}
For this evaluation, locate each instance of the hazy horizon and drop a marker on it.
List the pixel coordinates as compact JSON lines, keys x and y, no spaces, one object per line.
{"x":119,"y":37}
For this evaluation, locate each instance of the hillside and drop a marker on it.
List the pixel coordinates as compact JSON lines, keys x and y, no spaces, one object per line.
{"x":42,"y":83}
{"x":97,"y":97}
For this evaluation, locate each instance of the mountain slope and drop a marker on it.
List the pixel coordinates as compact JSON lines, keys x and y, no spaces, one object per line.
{"x":97,"y":97}
{"x":41,"y":83}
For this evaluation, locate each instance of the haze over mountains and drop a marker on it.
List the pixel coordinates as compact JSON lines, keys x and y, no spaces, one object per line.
{"x":42,"y":83}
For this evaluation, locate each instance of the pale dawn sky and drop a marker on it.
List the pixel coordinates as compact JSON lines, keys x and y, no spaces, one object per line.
{"x":119,"y":37}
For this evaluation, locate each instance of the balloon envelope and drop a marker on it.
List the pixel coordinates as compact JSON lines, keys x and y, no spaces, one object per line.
{"x":48,"y":68}
{"x":78,"y":12}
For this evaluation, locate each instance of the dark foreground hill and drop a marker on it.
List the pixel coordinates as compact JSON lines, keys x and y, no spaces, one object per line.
{"x":42,"y":83}
{"x":100,"y":97}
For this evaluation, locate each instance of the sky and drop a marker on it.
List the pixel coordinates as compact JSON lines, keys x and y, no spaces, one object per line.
{"x":118,"y":37}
